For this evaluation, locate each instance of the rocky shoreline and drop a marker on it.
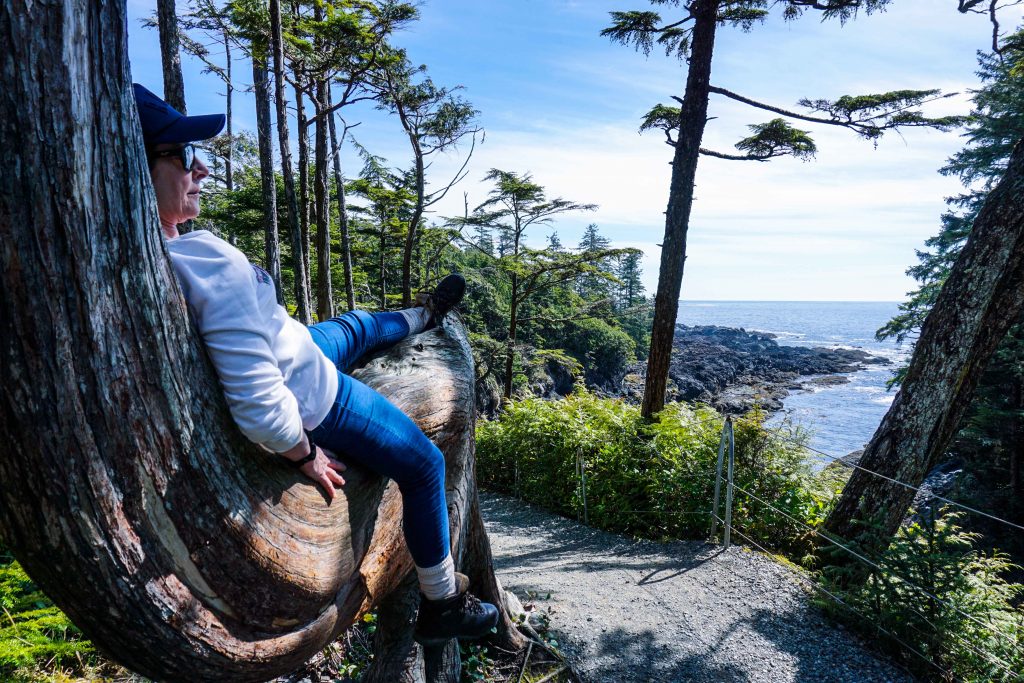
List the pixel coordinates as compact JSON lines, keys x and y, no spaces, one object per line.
{"x":734,"y":370}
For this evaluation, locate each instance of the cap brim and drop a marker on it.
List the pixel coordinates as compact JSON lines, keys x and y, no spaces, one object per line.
{"x":192,"y":128}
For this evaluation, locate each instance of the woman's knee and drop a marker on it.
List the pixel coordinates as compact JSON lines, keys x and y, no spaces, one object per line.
{"x":427,"y":469}
{"x":355,"y":319}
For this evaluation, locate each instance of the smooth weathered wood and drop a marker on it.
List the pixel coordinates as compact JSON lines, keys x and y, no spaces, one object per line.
{"x":982,"y":297}
{"x":179,"y":548}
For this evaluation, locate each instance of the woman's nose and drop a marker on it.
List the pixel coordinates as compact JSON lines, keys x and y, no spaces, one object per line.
{"x":199,"y":169}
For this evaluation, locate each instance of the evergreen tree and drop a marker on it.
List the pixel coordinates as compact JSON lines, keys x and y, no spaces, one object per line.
{"x":691,"y":37}
{"x":555,"y":244}
{"x":515,"y":205}
{"x":593,"y":286}
{"x":991,"y":434}
{"x":631,"y":289}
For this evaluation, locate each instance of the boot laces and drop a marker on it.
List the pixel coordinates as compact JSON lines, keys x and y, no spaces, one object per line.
{"x":471,"y":604}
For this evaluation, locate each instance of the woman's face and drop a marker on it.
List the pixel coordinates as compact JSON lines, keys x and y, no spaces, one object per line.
{"x":177,"y":190}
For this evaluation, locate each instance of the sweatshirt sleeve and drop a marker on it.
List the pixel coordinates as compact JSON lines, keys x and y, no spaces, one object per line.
{"x":220,"y":289}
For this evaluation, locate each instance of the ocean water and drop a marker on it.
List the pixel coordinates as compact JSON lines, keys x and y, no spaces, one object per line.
{"x":840,"y":418}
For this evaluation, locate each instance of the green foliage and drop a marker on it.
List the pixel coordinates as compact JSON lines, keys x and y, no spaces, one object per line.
{"x":942,"y":597}
{"x":32,"y":631}
{"x":653,"y":480}
{"x":990,"y":434}
{"x":871,"y":115}
{"x":477,"y":664}
{"x":777,"y":138}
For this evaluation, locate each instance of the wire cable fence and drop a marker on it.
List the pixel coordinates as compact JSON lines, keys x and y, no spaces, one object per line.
{"x":725,"y":473}
{"x":934,"y":496}
{"x":839,"y":601}
{"x":911,"y":617}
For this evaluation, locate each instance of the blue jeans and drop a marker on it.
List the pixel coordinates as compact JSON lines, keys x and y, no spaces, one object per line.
{"x":365,"y":427}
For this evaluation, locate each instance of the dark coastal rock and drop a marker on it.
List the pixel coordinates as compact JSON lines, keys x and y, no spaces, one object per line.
{"x":826,"y":381}
{"x":734,"y":370}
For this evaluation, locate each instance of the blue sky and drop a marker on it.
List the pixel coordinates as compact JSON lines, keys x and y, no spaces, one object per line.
{"x":561,"y":102}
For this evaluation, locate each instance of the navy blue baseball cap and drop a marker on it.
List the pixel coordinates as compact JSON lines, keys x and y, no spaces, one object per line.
{"x":162,"y":123}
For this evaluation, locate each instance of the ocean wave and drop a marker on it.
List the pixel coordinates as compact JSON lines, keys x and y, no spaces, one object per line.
{"x":793,"y":335}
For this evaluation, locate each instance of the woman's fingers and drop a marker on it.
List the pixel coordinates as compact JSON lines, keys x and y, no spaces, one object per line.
{"x":335,"y":477}
{"x":328,"y":486}
{"x":337,"y":464}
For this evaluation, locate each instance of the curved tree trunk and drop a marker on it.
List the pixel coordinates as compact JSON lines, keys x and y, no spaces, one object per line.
{"x":982,"y":297}
{"x":180,"y":549}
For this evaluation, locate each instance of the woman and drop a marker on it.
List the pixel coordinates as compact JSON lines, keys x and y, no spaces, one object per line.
{"x":282,"y":379}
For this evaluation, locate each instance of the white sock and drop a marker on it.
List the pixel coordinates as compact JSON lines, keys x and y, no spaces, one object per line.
{"x":417,"y":318}
{"x":438,"y":582}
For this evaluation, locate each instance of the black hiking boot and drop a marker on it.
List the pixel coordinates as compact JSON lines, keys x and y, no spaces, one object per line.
{"x":446,"y":296}
{"x":461,"y":616}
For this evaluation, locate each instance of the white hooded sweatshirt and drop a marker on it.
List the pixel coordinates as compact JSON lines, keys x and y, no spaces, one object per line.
{"x":276,"y":380}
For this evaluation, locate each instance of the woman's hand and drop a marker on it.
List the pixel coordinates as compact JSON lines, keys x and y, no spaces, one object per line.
{"x":324,"y":471}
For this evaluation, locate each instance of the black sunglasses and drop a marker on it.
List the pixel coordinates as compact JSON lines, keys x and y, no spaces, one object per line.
{"x":186,"y":153}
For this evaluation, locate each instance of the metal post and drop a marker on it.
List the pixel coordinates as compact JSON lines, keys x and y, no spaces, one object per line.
{"x":718,"y":480}
{"x":579,"y":476}
{"x":583,"y":484}
{"x":728,"y":488}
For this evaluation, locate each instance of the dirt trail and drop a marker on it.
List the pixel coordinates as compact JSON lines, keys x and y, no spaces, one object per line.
{"x":628,"y":611}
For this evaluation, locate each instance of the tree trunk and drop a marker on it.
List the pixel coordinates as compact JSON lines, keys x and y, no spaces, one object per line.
{"x":271,"y":245}
{"x":339,"y":181}
{"x":180,"y":549}
{"x":513,"y":321}
{"x":324,"y":295}
{"x":229,"y":160}
{"x":302,"y":127}
{"x":383,"y":249}
{"x":982,"y":297}
{"x":693,"y":118}
{"x":417,"y":213}
{"x":302,"y":304}
{"x":170,"y":57}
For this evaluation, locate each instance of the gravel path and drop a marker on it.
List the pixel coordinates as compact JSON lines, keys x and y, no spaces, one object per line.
{"x":628,"y":611}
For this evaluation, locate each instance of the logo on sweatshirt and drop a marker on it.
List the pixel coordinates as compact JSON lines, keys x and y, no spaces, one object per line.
{"x":262,"y":276}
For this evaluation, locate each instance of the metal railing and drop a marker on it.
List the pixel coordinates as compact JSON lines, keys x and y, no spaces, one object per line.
{"x":727,"y":443}
{"x":725,"y":478}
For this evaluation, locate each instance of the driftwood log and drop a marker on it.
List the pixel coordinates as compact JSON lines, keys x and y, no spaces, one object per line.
{"x":179,"y":548}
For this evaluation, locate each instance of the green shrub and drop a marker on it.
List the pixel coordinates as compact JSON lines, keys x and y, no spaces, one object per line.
{"x":654,"y":480}
{"x":939,"y":595}
{"x":32,"y":631}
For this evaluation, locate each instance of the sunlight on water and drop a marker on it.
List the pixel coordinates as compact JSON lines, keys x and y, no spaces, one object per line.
{"x":840,"y":418}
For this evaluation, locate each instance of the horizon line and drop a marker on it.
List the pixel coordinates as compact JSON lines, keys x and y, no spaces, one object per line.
{"x":787,"y":301}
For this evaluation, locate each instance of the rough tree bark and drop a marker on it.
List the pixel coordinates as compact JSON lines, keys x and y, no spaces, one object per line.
{"x":180,"y":549}
{"x":324,"y":295}
{"x":170,"y":56}
{"x":693,"y":118}
{"x":229,"y":159}
{"x":271,"y":243}
{"x":302,"y":302}
{"x":339,"y":182}
{"x":302,"y":130}
{"x":980,"y":300}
